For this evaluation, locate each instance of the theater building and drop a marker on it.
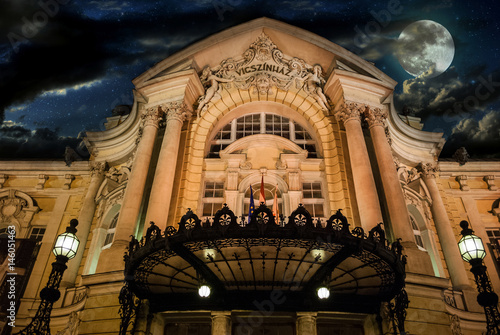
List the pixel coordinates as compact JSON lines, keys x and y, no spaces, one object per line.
{"x":269,"y":113}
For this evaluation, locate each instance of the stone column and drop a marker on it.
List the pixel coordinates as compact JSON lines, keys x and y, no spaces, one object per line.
{"x":221,"y":323}
{"x":394,"y":198}
{"x":364,"y":185}
{"x":306,"y":323}
{"x":129,"y":213}
{"x":444,"y":230}
{"x":163,"y":183}
{"x":85,"y":221}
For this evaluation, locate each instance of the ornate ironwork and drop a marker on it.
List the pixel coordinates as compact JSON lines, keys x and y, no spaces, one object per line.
{"x":129,"y":306}
{"x":40,"y":324}
{"x":486,"y":297}
{"x":230,"y":254}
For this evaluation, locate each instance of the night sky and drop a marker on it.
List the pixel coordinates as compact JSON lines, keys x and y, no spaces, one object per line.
{"x":65,"y":64}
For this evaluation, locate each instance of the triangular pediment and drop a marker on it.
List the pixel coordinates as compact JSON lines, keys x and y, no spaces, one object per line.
{"x":264,"y":35}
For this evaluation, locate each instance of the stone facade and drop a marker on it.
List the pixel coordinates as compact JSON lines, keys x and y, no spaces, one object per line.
{"x":260,"y":99}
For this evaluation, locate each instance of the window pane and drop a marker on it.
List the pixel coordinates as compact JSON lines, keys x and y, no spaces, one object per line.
{"x":109,"y":238}
{"x":318,"y":210}
{"x":309,"y":208}
{"x":251,"y":124}
{"x":419,"y":241}
{"x":207,"y":209}
{"x":37,"y":234}
{"x":113,"y":222}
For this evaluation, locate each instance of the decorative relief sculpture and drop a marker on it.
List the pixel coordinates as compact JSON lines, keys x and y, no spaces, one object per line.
{"x":350,"y":110}
{"x":212,"y":93}
{"x":72,"y":325}
{"x":3,"y":179}
{"x":97,"y":168}
{"x":262,"y":67}
{"x":429,"y":169}
{"x":375,"y":116}
{"x":151,"y":116}
{"x":455,"y":325}
{"x":313,"y":86}
{"x":16,"y":208}
{"x":176,"y":110}
{"x":461,"y":156}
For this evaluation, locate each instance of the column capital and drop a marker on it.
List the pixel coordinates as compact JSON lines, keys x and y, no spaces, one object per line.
{"x":151,"y":116}
{"x":177,"y":110}
{"x":97,"y":168}
{"x":375,"y":117}
{"x":350,"y":111}
{"x":429,"y":170}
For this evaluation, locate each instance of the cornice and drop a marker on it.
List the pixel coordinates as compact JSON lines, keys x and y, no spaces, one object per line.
{"x":413,"y":146}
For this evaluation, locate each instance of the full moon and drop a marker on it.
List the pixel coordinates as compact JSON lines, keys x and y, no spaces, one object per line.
{"x":425,"y":47}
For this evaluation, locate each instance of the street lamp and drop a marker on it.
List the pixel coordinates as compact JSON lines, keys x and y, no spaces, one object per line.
{"x":65,"y":248}
{"x":472,"y":251}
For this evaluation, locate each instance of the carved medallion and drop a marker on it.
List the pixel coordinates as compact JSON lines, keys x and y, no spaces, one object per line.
{"x":262,"y":67}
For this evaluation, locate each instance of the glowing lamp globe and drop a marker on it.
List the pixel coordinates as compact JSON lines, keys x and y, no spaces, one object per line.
{"x":471,"y":247}
{"x":67,"y":243}
{"x":204,"y":291}
{"x":323,"y":293}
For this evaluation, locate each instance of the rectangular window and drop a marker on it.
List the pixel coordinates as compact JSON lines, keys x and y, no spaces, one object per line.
{"x":494,"y":246}
{"x":312,"y":198}
{"x":37,"y":234}
{"x":311,"y":191}
{"x":213,"y":197}
{"x":316,"y":210}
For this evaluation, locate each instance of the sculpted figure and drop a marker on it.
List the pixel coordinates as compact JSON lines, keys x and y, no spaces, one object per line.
{"x":212,"y":91}
{"x":314,"y":80}
{"x":263,"y":84}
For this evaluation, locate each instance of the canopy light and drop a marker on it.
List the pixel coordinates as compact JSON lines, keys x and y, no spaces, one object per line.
{"x":67,"y":243}
{"x":323,"y":293}
{"x":471,"y":247}
{"x":204,"y":291}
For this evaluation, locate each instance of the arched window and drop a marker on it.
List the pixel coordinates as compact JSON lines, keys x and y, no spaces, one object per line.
{"x":262,"y":123}
{"x":417,"y":233}
{"x":110,"y":234}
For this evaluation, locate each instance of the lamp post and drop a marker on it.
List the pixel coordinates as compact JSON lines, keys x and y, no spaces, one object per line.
{"x":472,"y":251}
{"x":65,"y":248}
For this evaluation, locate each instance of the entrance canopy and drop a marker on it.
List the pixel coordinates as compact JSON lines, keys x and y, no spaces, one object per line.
{"x":243,"y":262}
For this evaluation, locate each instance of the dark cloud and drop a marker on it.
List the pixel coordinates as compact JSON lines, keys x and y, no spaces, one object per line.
{"x":449,"y":95}
{"x":17,"y":142}
{"x":71,"y":49}
{"x":479,"y":137}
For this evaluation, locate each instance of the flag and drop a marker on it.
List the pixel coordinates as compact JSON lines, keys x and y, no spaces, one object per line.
{"x":252,"y":205}
{"x":276,"y":211}
{"x":262,"y":196}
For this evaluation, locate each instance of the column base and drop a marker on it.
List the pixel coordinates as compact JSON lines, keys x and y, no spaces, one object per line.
{"x":112,"y":259}
{"x":418,"y":261}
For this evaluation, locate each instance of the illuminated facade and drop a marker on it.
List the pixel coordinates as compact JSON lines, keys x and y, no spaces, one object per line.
{"x":260,"y":101}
